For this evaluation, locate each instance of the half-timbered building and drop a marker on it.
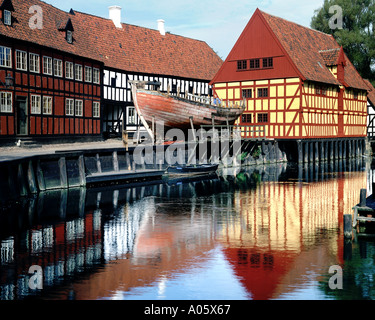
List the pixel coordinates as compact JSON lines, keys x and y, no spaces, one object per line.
{"x":50,"y":80}
{"x":298,"y":82}
{"x":136,"y":53}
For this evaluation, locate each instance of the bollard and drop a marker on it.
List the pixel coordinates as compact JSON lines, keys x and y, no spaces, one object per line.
{"x":348,"y":228}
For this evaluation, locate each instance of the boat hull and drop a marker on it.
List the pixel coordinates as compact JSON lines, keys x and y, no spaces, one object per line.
{"x":177,"y":112}
{"x":192,"y":170}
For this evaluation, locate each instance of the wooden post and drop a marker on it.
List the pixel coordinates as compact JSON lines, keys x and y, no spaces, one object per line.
{"x":300,"y":152}
{"x":316,"y":158}
{"x":98,"y":163}
{"x":363,"y":197}
{"x":348,"y":226}
{"x":331,"y":150}
{"x":321,"y":151}
{"x":115,"y":161}
{"x":82,"y":172}
{"x":340,"y":149}
{"x":63,"y":173}
{"x":21,"y":181}
{"x":31,"y":178}
{"x":40,"y":177}
{"x":306,"y":152}
{"x":350,"y":152}
{"x":344,"y":154}
{"x":311,"y":153}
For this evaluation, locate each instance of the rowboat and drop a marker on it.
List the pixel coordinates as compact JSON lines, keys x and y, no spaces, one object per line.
{"x":192,"y":170}
{"x":181,"y":111}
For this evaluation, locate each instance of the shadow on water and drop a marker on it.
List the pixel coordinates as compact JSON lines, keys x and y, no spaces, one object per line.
{"x":74,"y":235}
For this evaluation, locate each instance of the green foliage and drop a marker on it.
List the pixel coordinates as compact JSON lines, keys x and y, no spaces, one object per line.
{"x":358,"y":34}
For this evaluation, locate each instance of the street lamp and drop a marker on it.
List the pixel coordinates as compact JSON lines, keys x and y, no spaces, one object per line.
{"x":8,"y":81}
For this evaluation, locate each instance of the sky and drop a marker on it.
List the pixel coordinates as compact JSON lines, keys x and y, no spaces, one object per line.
{"x":217,"y":22}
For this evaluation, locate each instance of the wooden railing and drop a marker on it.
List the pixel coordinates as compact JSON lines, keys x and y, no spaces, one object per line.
{"x":255,"y":132}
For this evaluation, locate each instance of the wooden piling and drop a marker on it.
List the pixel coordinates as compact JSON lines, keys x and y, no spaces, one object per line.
{"x":63,"y":173}
{"x":363,"y":196}
{"x":348,"y":226}
{"x":31,"y":178}
{"x":82,"y":171}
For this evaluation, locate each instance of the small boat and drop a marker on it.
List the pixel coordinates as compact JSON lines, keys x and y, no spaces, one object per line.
{"x":192,"y":170}
{"x":181,"y":110}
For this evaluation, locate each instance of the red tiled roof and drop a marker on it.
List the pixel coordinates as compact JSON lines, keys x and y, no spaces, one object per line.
{"x":132,"y":49}
{"x":311,"y":51}
{"x":371,"y":94}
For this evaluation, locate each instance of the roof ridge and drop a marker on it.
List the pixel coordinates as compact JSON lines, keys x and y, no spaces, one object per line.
{"x":295,"y":23}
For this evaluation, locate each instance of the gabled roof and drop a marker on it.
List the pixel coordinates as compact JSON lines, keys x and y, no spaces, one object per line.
{"x":312,"y":51}
{"x":371,"y":93}
{"x":143,"y":50}
{"x":132,"y":49}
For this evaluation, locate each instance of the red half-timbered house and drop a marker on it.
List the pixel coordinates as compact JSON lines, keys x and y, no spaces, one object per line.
{"x":50,"y":77}
{"x":298,"y":82}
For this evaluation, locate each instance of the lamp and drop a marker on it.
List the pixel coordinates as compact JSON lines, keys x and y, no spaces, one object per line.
{"x":8,"y":81}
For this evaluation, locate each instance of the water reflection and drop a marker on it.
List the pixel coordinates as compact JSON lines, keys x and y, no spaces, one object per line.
{"x":267,"y":232}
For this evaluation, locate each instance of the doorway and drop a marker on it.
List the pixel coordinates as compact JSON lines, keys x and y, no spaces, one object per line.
{"x":22,"y":116}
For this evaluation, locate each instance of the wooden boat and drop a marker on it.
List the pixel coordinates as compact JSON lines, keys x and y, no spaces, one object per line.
{"x":180,"y":111}
{"x":192,"y":170}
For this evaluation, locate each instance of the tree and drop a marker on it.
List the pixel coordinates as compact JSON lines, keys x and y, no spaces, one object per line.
{"x":357,"y":35}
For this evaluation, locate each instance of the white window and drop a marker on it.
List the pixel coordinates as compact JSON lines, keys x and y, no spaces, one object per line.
{"x":69,"y":70}
{"x":69,"y":36}
{"x":96,"y":76}
{"x":57,"y":67}
{"x":88,"y":74}
{"x":36,"y":104}
{"x":78,"y":72}
{"x":47,"y":65}
{"x":21,"y":60}
{"x":47,"y":105}
{"x":34,"y":63}
{"x":7,"y":18}
{"x":79,"y":108}
{"x":6,"y":102}
{"x":96,"y":110}
{"x":5,"y":57}
{"x":69,"y":107}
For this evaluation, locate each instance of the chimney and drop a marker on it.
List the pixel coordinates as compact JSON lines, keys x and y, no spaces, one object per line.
{"x":115,"y":15}
{"x":161,"y":26}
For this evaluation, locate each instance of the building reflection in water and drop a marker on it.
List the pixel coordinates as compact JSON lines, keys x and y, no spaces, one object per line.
{"x":277,"y":227}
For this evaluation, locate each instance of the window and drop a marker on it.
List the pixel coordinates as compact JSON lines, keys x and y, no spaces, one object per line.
{"x":47,"y":105}
{"x":6,"y":102}
{"x":262,"y":117}
{"x":47,"y":65}
{"x":88,"y":74}
{"x":96,"y":110}
{"x":69,"y":107}
{"x":254,"y":64}
{"x":262,"y":92}
{"x":242,"y":65}
{"x":78,"y":73}
{"x":79,"y":108}
{"x":7,"y":18}
{"x":69,"y":70}
{"x":34,"y":63}
{"x":246,"y":118}
{"x":247,"y":93}
{"x":21,"y":60}
{"x":36,"y":104}
{"x":5,"y":57}
{"x":355,"y":95}
{"x":268,"y":63}
{"x":57,"y":68}
{"x":69,"y":36}
{"x":320,"y":90}
{"x":131,"y":116}
{"x":96,"y":76}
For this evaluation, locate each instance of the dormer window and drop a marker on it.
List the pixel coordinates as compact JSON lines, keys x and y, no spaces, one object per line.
{"x":69,"y":36}
{"x":7,"y":17}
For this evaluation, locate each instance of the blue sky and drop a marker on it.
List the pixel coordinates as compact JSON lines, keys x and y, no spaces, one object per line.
{"x":217,"y":22}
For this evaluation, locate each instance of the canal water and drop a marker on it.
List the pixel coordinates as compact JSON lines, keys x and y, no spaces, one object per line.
{"x":258,"y":233}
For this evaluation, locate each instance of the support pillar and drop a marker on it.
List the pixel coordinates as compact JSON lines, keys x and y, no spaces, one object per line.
{"x":331,"y":150}
{"x":344,"y":154}
{"x":311,"y":152}
{"x":63,"y":173}
{"x":340,"y":149}
{"x":306,"y":152}
{"x":316,"y":157}
{"x":300,"y":151}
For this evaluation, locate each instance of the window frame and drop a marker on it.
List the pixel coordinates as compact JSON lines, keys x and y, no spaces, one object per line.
{"x":96,"y":74}
{"x":246,"y":117}
{"x":47,"y":65}
{"x":77,"y":108}
{"x":34,"y":65}
{"x":6,"y":53}
{"x":241,"y":65}
{"x":268,"y":63}
{"x":70,"y":107}
{"x":88,"y":74}
{"x":246,"y":95}
{"x":263,"y":93}
{"x":96,"y":109}
{"x":78,"y":72}
{"x":7,"y":17}
{"x":262,"y":117}
{"x":69,"y":36}
{"x":21,"y":60}
{"x":5,"y":106}
{"x":254,"y":64}
{"x":36,"y":109}
{"x":69,"y":66}
{"x":49,"y":109}
{"x":58,"y":68}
